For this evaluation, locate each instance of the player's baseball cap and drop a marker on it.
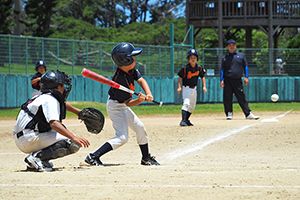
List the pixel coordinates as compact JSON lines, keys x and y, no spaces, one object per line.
{"x":230,"y":41}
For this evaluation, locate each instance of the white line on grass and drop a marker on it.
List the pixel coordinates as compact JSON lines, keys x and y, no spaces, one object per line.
{"x":151,"y":186}
{"x":200,"y":145}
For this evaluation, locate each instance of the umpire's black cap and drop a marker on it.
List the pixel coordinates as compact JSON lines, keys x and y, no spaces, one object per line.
{"x":230,"y":41}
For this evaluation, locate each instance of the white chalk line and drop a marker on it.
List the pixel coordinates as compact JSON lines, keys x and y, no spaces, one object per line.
{"x":242,"y":171}
{"x":200,"y":145}
{"x":282,"y":115}
{"x":151,"y":186}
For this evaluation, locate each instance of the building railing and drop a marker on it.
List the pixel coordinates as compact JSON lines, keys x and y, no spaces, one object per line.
{"x":244,"y":9}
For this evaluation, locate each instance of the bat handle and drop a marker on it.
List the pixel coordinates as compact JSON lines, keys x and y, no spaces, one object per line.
{"x":156,"y":102}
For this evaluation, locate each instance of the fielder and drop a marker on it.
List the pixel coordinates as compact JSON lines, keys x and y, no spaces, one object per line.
{"x":39,"y":131}
{"x":123,"y":55}
{"x":188,"y":76}
{"x":41,"y":68}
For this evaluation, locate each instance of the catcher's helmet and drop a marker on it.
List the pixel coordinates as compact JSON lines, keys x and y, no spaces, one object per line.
{"x":52,"y":79}
{"x":121,"y":54}
{"x":40,"y":63}
{"x":192,"y":52}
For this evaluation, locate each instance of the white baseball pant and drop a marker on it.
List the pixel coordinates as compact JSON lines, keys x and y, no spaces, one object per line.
{"x":122,"y":117}
{"x":189,"y":96}
{"x":33,"y":141}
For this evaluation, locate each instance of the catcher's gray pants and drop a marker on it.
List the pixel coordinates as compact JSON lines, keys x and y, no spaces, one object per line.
{"x":33,"y":141}
{"x":122,"y":117}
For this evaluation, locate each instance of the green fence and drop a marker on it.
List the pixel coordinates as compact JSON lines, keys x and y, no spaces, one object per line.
{"x":18,"y":55}
{"x":16,"y":89}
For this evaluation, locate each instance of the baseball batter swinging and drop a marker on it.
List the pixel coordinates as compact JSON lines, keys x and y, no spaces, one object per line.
{"x":188,"y":76}
{"x":123,"y":55}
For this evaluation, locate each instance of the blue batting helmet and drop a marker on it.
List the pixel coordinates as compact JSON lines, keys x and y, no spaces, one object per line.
{"x":192,"y":52}
{"x":40,"y":63}
{"x":123,"y":52}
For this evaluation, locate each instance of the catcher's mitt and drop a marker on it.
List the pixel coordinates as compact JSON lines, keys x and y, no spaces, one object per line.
{"x":93,"y":119}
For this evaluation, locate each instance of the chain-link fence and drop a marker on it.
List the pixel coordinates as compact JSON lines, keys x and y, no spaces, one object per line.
{"x":18,"y":55}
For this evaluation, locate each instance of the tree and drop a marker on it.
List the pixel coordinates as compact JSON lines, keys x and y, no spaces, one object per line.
{"x":292,"y":57}
{"x":6,"y":16}
{"x":39,"y":13}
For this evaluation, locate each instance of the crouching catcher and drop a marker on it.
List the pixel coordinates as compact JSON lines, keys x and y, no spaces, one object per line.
{"x":39,"y":130}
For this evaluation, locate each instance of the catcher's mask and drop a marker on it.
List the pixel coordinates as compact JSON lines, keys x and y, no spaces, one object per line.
{"x":52,"y":79}
{"x":40,"y":63}
{"x":192,"y":52}
{"x":123,"y":52}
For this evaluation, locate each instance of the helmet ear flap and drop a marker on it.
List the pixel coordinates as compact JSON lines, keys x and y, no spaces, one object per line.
{"x":128,"y":60}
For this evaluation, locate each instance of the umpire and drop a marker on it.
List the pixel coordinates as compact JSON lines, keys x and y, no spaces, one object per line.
{"x":233,"y":65}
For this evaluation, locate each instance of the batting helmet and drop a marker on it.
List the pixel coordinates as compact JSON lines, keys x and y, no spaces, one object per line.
{"x":123,"y":52}
{"x":52,"y":79}
{"x":192,"y":52}
{"x":40,"y":63}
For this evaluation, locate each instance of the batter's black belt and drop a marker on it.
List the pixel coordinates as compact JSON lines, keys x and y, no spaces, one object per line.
{"x":20,"y":134}
{"x":192,"y":87}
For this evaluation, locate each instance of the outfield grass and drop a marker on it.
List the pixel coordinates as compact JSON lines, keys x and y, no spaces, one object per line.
{"x":170,"y":109}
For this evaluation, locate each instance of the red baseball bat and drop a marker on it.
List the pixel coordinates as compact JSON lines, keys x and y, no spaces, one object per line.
{"x":97,"y":77}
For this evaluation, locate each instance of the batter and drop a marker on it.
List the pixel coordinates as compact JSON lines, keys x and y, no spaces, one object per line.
{"x":119,"y":102}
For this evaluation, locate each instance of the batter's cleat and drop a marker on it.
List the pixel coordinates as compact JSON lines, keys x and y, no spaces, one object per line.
{"x":189,"y":123}
{"x":35,"y":162}
{"x":150,"y":161}
{"x":183,"y":123}
{"x":93,"y":160}
{"x":229,"y":116}
{"x":252,"y":116}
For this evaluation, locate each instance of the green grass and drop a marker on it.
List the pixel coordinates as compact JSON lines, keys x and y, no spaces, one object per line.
{"x":148,"y":110}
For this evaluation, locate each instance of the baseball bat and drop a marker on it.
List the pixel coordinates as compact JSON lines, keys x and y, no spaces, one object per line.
{"x":97,"y":77}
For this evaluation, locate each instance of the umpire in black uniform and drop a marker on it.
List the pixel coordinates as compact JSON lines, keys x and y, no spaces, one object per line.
{"x":233,"y":65}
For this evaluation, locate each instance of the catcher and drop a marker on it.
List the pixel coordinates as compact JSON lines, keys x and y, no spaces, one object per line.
{"x":39,"y":131}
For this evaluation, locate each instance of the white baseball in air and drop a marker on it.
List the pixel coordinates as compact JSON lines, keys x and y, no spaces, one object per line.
{"x":274,"y":97}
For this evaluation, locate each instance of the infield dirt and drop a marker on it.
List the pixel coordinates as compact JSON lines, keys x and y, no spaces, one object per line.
{"x":214,"y":159}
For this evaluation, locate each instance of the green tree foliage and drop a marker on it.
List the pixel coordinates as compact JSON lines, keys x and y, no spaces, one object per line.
{"x":6,"y":16}
{"x":292,"y":58}
{"x":39,"y":13}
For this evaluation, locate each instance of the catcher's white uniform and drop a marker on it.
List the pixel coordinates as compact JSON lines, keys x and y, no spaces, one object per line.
{"x":28,"y":140}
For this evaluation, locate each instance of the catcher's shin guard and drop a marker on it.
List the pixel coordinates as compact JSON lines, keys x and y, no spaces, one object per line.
{"x":59,"y":149}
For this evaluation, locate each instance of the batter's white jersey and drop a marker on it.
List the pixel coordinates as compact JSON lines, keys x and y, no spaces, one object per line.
{"x":32,"y":140}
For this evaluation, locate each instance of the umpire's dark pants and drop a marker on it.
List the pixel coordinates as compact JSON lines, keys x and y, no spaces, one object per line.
{"x":234,"y":86}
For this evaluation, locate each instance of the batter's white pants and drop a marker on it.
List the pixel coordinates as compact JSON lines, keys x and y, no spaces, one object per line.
{"x":33,"y":141}
{"x":122,"y":117}
{"x":189,"y":96}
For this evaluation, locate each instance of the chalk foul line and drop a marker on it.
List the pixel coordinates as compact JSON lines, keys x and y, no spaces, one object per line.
{"x":200,"y":145}
{"x":150,"y":186}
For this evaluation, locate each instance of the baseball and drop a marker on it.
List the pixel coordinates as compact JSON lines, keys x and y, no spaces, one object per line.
{"x":274,"y":97}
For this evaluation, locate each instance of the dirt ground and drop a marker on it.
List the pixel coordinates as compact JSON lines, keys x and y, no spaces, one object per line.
{"x":215,"y":159}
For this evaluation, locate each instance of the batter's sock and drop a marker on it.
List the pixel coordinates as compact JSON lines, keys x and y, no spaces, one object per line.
{"x":188,"y":114}
{"x":145,"y":151}
{"x":103,"y":150}
{"x":184,"y":115}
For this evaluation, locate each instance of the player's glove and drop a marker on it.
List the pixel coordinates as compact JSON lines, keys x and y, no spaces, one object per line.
{"x":93,"y":119}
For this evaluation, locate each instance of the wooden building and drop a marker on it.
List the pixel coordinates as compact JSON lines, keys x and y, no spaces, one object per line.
{"x":223,"y":15}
